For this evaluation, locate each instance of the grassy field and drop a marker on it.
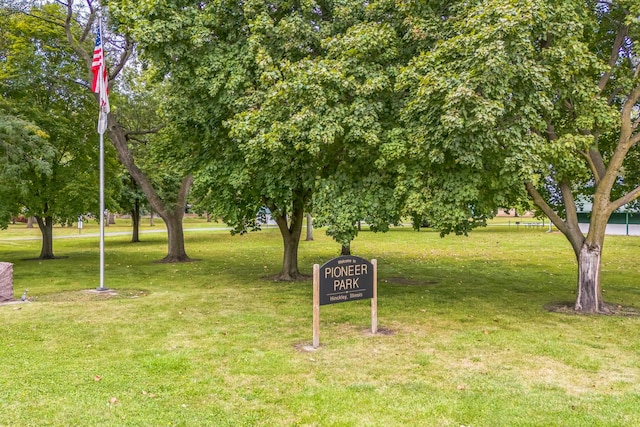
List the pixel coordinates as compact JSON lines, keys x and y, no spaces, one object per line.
{"x":466,"y":337}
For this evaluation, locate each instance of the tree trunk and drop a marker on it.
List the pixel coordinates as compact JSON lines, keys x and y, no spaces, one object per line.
{"x":176,"y":251}
{"x":46,"y":228}
{"x":290,"y":258}
{"x":30,"y":222}
{"x":309,"y":228}
{"x":171,"y":216}
{"x":588,"y":250}
{"x":589,"y":298}
{"x":135,"y":222}
{"x":111,"y":218}
{"x":346,"y":249}
{"x":291,"y":230}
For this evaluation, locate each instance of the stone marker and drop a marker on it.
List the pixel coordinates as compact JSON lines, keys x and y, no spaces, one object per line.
{"x":6,"y":282}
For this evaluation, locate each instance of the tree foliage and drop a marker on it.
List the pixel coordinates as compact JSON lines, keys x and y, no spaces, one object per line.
{"x":528,"y":92}
{"x":41,"y":78}
{"x":278,"y":98}
{"x":24,"y":151}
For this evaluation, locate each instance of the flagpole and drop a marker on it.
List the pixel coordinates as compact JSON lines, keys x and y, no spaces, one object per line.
{"x":102,"y":288}
{"x":100,"y":86}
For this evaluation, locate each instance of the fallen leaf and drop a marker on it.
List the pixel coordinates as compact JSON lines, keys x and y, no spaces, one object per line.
{"x":113,"y":400}
{"x":97,"y":378}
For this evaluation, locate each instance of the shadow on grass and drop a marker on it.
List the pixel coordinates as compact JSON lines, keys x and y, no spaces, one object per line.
{"x":46,"y":259}
{"x":612,"y":309}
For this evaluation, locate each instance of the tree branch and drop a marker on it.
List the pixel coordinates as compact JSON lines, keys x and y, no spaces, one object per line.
{"x":116,"y":134}
{"x":124,"y":57}
{"x":539,"y":201}
{"x":75,"y":45}
{"x":185,"y":186}
{"x":625,"y":141}
{"x":87,"y":28}
{"x":615,"y":52}
{"x":551,"y":132}
{"x":596,"y":163}
{"x":627,"y":198}
{"x":574,"y":234}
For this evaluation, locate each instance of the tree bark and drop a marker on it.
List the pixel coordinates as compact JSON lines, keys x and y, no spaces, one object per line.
{"x":309,"y":228}
{"x":30,"y":222}
{"x":291,"y":230}
{"x":46,"y":228}
{"x":176,"y":251}
{"x":589,"y":298}
{"x":135,"y":222}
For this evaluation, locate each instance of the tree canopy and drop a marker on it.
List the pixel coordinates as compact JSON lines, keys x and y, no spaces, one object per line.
{"x":543,"y":94}
{"x":41,"y":78}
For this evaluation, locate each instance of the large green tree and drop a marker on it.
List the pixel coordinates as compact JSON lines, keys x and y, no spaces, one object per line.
{"x":536,"y":96}
{"x":39,"y":76}
{"x":280,"y":97}
{"x":129,"y":109}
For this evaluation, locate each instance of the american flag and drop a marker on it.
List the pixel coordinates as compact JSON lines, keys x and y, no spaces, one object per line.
{"x":100,"y":83}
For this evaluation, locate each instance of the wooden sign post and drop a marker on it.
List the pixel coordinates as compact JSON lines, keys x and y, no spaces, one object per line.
{"x":342,"y":279}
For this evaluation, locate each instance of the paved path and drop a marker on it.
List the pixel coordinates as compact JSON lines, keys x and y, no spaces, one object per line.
{"x":115,"y":233}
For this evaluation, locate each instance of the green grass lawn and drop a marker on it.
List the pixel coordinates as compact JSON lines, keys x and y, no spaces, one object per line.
{"x":465,"y":336}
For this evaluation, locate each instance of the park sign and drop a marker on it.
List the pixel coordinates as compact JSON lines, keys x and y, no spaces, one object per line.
{"x":346,"y":278}
{"x":342,"y":279}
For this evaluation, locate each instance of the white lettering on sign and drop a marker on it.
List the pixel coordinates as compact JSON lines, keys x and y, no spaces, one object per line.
{"x":346,"y":284}
{"x":346,"y":270}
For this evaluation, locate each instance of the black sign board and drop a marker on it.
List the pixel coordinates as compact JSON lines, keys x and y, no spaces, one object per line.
{"x":346,"y":278}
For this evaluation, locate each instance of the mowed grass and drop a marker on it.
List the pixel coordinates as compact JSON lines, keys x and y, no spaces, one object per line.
{"x":465,"y":337}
